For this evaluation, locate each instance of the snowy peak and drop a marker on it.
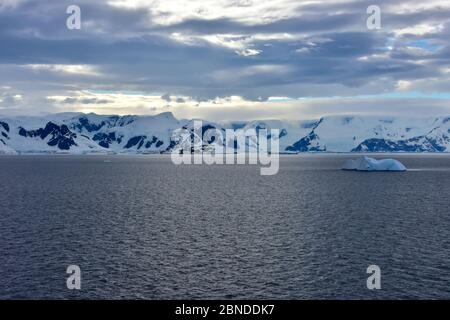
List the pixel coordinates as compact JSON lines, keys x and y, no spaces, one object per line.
{"x":79,"y":133}
{"x":376,"y":134}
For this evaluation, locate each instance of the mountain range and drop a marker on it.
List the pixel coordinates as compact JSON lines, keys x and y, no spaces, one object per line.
{"x":79,"y":133}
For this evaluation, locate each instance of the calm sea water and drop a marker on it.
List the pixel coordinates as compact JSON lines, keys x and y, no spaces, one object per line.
{"x":141,"y":227}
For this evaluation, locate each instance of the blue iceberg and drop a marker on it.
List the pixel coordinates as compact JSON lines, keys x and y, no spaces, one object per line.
{"x":370,"y":164}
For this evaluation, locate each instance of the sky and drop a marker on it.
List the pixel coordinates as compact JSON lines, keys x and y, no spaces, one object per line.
{"x":225,"y":59}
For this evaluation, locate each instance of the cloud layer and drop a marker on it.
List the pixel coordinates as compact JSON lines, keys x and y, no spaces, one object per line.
{"x":225,"y":58}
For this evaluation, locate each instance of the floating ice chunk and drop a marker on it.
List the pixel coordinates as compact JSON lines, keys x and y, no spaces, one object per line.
{"x":370,"y":164}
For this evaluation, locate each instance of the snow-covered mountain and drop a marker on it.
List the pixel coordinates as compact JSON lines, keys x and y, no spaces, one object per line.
{"x":78,"y":133}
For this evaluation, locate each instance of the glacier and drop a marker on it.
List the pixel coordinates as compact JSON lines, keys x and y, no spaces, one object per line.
{"x":370,"y":164}
{"x":80,"y":133}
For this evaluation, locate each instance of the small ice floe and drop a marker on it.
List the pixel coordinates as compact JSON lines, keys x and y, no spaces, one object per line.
{"x":370,"y":164}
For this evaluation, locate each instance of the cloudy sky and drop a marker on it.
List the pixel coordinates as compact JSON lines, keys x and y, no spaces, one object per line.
{"x":225,"y":59}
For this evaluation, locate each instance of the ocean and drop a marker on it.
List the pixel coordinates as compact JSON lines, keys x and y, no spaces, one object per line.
{"x":140,"y":227}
